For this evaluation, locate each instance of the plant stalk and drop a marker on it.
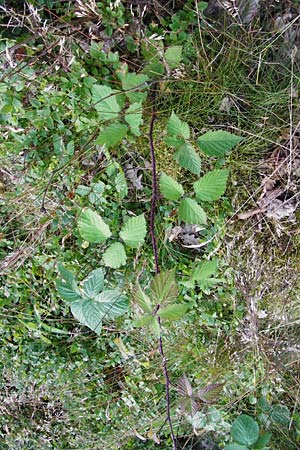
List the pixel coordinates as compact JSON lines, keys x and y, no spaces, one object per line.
{"x":156,"y":262}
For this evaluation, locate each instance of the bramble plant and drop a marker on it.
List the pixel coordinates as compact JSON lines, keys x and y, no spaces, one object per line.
{"x":90,"y":306}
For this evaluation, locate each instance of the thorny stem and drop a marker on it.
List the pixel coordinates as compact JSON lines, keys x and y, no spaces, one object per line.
{"x":154,"y":186}
{"x":155,"y":253}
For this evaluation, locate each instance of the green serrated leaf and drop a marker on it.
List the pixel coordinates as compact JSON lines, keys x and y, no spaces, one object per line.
{"x":280,"y":414}
{"x":211,"y":392}
{"x":177,"y":127}
{"x":134,"y":83}
{"x":93,"y":283}
{"x":143,"y":300}
{"x":211,"y":186}
{"x":173,"y":56}
{"x":112,"y":303}
{"x":67,"y":286}
{"x":262,"y":441}
{"x":121,"y":185}
{"x":217,"y":143}
{"x":154,"y":325}
{"x":154,"y":68}
{"x":184,"y":386}
{"x":134,"y":231}
{"x":141,"y":321}
{"x":92,"y":227}
{"x":133,"y":117}
{"x":112,"y":135}
{"x":245,"y":430}
{"x":164,"y":287}
{"x":235,"y":447}
{"x":191,"y":212}
{"x":170,"y":188}
{"x":95,"y":195}
{"x":205,"y":270}
{"x":83,"y":190}
{"x":105,"y":102}
{"x":174,"y":141}
{"x":173,"y":312}
{"x":115,"y":256}
{"x":187,"y":158}
{"x":88,"y":313}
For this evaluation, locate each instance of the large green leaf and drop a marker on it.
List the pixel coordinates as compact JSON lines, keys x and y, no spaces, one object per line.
{"x":143,"y":300}
{"x":173,"y":56}
{"x":187,"y":158}
{"x":170,"y":188}
{"x":133,"y":83}
{"x":164,"y":287}
{"x":112,"y":303}
{"x":112,"y":135}
{"x":173,"y":312}
{"x":134,"y":231}
{"x":205,"y":270}
{"x":92,"y":227}
{"x":217,"y":143}
{"x":212,"y":185}
{"x":262,"y":441}
{"x":93,"y":283}
{"x":191,"y":213}
{"x":280,"y":414}
{"x":105,"y":101}
{"x":245,"y":430}
{"x":66,"y":286}
{"x":133,"y":117}
{"x":177,"y":127}
{"x":115,"y":256}
{"x":88,"y":313}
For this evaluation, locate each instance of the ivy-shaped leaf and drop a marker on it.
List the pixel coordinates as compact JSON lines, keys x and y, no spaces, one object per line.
{"x":211,"y":186}
{"x":217,"y":143}
{"x":115,"y":256}
{"x":191,"y":212}
{"x":134,"y":231}
{"x":92,"y":227}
